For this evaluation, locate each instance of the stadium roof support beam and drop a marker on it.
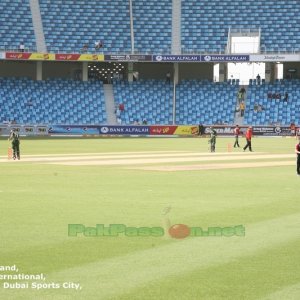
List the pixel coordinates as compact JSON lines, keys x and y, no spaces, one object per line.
{"x":38,"y":26}
{"x":228,"y":48}
{"x":131,"y":26}
{"x":85,"y":71}
{"x":259,"y":35}
{"x":176,"y":27}
{"x":39,"y":70}
{"x":175,"y":82}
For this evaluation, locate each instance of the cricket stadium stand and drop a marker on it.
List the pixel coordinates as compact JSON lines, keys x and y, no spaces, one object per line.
{"x":205,"y":102}
{"x":276,"y":111}
{"x":145,"y":99}
{"x":16,"y":25}
{"x":52,"y":101}
{"x":152,"y":21}
{"x":68,"y":25}
{"x":205,"y":23}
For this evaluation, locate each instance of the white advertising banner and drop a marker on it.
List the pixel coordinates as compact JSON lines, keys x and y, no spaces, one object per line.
{"x":274,"y":57}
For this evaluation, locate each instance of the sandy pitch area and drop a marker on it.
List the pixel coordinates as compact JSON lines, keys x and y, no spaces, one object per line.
{"x":162,"y":160}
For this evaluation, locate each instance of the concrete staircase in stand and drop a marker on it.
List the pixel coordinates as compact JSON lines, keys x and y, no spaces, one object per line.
{"x":38,"y":26}
{"x":110,"y":104}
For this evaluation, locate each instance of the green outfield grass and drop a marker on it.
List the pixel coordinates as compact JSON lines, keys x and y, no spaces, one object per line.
{"x":91,"y":145}
{"x":38,"y":201}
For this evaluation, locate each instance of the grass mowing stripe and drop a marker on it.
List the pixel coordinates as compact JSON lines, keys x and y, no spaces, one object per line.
{"x":291,"y":292}
{"x":38,"y":201}
{"x":219,"y":166}
{"x":100,"y":156}
{"x":98,"y":153}
{"x":114,"y":156}
{"x":239,"y":279}
{"x":137,"y":161}
{"x":119,"y":275}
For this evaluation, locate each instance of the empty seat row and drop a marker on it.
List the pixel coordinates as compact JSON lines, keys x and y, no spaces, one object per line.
{"x":283,"y":108}
{"x":52,"y":102}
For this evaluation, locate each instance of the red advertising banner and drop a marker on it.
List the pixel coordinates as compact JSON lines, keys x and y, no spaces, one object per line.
{"x":50,"y":56}
{"x":17,"y":55}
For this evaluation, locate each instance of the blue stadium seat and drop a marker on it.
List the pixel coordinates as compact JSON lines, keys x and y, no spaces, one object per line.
{"x":53,"y":101}
{"x":145,"y":99}
{"x":205,"y":102}
{"x":16,"y":25}
{"x":206,"y":23}
{"x":68,"y":26}
{"x":276,"y":111}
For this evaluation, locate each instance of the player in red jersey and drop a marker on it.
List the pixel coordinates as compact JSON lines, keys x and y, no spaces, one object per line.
{"x":248,"y":136}
{"x":297,"y":151}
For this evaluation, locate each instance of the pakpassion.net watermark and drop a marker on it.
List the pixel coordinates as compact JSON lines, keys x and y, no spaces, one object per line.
{"x":177,"y":231}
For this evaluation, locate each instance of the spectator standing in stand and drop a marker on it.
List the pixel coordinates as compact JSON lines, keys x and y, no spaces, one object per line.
{"x":121,"y":107}
{"x":242,"y":108}
{"x":98,"y":45}
{"x":258,"y":79}
{"x":84,"y":48}
{"x":22,"y":47}
{"x":168,"y":77}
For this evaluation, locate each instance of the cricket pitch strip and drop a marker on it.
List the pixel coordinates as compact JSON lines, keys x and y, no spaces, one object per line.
{"x":162,"y":160}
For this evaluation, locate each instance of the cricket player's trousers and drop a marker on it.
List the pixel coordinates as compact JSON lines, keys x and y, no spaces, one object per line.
{"x":298,"y":164}
{"x":248,"y":145}
{"x":236,"y":143}
{"x":16,"y":149}
{"x":213,"y":147}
